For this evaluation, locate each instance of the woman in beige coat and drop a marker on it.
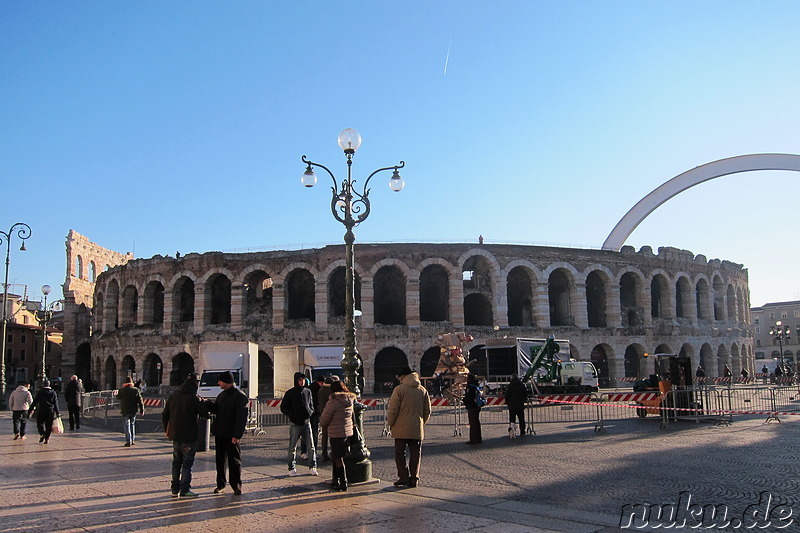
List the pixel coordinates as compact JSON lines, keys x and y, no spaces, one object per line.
{"x":337,"y":419}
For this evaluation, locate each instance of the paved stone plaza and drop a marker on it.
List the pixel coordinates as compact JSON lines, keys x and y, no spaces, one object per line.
{"x":565,"y":478}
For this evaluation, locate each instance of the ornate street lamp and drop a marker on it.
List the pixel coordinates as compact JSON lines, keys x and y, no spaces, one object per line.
{"x":351,"y":206}
{"x":43,"y":316}
{"x":781,"y":333}
{"x":23,"y":231}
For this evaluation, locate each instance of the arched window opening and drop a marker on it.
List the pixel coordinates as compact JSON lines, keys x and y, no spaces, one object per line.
{"x":266,"y":374}
{"x":599,"y":359}
{"x":388,"y":363}
{"x":92,"y":272}
{"x":258,"y":291}
{"x":596,"y":300}
{"x":659,"y":297}
{"x":703,"y":299}
{"x":110,"y":374}
{"x":152,"y":371}
{"x":130,"y":305}
{"x":182,"y":366}
{"x":83,"y":364}
{"x":98,"y":313}
{"x":300,"y":295}
{"x":719,"y":299}
{"x":632,"y":359}
{"x":477,"y":310}
{"x":129,"y":367}
{"x":337,"y":292}
{"x":79,"y":267}
{"x":682,"y":294}
{"x":219,"y":291}
{"x":390,"y":296}
{"x":731,"y":301}
{"x":519,"y":291}
{"x":630,"y":312}
{"x":183,"y":300}
{"x":112,"y":306}
{"x":558,"y":291}
{"x":434,"y":294}
{"x":154,"y":303}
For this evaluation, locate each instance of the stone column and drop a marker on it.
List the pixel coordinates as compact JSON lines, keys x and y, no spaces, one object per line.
{"x":199,"y":309}
{"x":278,"y":304}
{"x":578,"y":304}
{"x":320,"y":304}
{"x":541,"y":306}
{"x":501,"y":302}
{"x":238,"y":302}
{"x":457,"y":301}
{"x":367,"y":319}
{"x":412,"y":303}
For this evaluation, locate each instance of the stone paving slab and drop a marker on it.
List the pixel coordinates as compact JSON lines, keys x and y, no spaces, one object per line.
{"x":86,"y":481}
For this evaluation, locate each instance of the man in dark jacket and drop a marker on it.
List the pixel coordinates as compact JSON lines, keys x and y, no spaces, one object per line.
{"x":298,"y":405}
{"x":180,"y":423}
{"x":516,"y":396}
{"x":73,"y":393}
{"x":473,"y":410}
{"x":130,"y":402}
{"x":230,"y":409}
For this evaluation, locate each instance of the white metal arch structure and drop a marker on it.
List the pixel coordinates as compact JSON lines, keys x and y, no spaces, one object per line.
{"x":690,"y":178}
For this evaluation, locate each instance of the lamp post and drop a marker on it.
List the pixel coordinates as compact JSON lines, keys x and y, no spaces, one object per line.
{"x":43,"y":316}
{"x":781,"y":333}
{"x":351,"y":206}
{"x":23,"y":231}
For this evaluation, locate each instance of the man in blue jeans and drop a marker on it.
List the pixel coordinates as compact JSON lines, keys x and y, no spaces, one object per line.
{"x":130,"y":402}
{"x":298,"y":405}
{"x":180,"y":424}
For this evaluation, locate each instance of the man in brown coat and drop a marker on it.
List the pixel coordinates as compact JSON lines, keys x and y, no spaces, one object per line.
{"x":409,"y":410}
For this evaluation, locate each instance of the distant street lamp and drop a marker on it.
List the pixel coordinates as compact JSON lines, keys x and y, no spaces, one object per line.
{"x":43,"y":316}
{"x":351,"y":207}
{"x":781,"y":333}
{"x":23,"y":231}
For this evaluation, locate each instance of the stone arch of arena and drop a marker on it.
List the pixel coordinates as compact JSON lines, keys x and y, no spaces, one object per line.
{"x":149,"y":316}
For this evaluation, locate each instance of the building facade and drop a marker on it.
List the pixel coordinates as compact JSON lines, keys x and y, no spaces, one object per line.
{"x":147,"y":317}
{"x":767,"y":348}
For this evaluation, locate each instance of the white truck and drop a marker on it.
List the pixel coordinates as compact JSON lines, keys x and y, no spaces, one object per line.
{"x":539,"y":361}
{"x":312,"y":360}
{"x":237,"y":357}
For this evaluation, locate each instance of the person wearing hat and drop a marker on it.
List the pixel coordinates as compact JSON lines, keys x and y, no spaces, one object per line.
{"x":409,"y":410}
{"x":179,"y":419}
{"x":322,"y":400}
{"x":130,"y":401}
{"x":230,"y":409}
{"x":298,"y":405}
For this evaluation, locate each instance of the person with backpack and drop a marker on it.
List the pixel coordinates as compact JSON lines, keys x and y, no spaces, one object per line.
{"x":473,"y":401}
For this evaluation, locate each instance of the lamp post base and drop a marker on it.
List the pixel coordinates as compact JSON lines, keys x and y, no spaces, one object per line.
{"x":358,"y":471}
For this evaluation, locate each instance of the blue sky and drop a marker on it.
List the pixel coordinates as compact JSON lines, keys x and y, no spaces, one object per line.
{"x":157,"y":127}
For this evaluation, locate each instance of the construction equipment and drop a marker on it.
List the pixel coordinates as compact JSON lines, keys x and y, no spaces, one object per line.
{"x":548,"y":373}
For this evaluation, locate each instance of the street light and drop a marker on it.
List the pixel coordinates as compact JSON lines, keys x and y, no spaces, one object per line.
{"x":43,"y":316}
{"x":23,"y":231}
{"x":351,"y":207}
{"x":781,"y":333}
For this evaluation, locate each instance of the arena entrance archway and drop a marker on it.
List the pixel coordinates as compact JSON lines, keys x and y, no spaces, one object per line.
{"x":690,"y":178}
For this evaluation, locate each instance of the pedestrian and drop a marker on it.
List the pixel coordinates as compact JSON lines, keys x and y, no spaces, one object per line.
{"x":73,"y":394}
{"x":473,"y":410}
{"x":179,"y":419}
{"x":322,"y":398}
{"x":727,"y":371}
{"x":230,"y":409}
{"x":315,"y":387}
{"x":337,"y":419}
{"x":19,"y":402}
{"x":765,"y":374}
{"x":46,"y":405}
{"x":516,"y":396}
{"x":297,"y":405}
{"x":700,"y":373}
{"x":409,"y":411}
{"x":745,"y":374}
{"x":130,"y":402}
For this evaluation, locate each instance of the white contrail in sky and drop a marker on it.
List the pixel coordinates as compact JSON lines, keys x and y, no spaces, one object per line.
{"x":447,"y":58}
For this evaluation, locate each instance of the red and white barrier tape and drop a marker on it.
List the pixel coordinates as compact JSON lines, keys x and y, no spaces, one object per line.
{"x":686,"y":409}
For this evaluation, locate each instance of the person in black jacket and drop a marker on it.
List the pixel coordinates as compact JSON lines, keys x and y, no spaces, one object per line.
{"x":473,"y":410}
{"x":180,"y":424}
{"x":73,"y":393}
{"x":230,"y":409}
{"x":46,"y":405}
{"x":298,"y":405}
{"x":516,"y":396}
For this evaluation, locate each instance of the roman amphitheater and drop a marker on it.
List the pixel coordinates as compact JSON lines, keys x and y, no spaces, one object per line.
{"x":147,"y":317}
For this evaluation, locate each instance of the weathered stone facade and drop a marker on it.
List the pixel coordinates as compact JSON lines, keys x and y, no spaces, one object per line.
{"x":150,"y":315}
